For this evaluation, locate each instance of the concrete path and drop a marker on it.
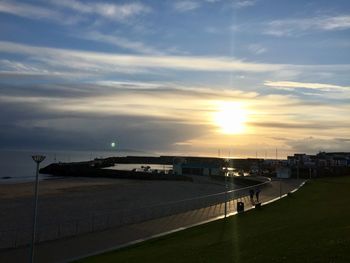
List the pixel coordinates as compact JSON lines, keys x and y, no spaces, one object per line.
{"x":65,"y":250}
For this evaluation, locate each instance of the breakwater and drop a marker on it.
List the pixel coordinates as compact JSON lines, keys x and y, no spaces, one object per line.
{"x":95,"y":169}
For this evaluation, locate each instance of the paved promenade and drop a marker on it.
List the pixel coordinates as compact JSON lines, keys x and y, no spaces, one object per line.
{"x":64,"y":250}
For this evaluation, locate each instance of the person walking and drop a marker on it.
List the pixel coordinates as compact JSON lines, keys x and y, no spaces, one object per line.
{"x":251,"y":194}
{"x":257,"y":193}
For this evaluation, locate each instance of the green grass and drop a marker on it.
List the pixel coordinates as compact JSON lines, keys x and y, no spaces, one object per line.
{"x":313,"y":225}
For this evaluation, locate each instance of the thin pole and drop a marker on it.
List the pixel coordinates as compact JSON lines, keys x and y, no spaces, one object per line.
{"x":276,"y":154}
{"x":34,"y":213}
{"x":310,"y":171}
{"x":298,"y":170}
{"x":280,"y":188}
{"x":280,"y":179}
{"x":225,"y":195}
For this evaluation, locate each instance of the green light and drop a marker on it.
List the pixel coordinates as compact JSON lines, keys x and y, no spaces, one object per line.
{"x":113,"y":144}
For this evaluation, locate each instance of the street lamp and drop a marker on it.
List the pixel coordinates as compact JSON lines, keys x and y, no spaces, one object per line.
{"x":38,"y":159}
{"x":226,"y":188}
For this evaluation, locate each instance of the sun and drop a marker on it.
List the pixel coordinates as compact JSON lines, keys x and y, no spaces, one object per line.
{"x":231,"y":117}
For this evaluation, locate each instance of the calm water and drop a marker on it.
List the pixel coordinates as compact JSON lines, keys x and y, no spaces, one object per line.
{"x":21,"y":168}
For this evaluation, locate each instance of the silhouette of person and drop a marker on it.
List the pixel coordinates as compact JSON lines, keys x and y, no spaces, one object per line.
{"x":257,"y":193}
{"x":251,"y":194}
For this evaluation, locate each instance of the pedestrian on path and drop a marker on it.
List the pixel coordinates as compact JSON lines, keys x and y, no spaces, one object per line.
{"x":251,"y":194}
{"x":257,"y":193}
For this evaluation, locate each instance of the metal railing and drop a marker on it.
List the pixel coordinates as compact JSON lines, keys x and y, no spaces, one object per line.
{"x":20,"y":236}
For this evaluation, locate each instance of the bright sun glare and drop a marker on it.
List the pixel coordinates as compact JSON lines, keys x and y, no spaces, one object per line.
{"x":231,"y":117}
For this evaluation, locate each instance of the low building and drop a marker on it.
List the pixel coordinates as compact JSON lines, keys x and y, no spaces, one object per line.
{"x":321,"y":164}
{"x":283,"y":172}
{"x":204,"y":167}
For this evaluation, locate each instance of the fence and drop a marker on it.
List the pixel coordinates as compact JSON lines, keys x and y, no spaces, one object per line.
{"x":21,"y":236}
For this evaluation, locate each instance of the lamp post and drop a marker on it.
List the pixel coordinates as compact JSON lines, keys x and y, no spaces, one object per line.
{"x":225,"y":195}
{"x":226,"y":188}
{"x":280,"y":188}
{"x":38,"y":159}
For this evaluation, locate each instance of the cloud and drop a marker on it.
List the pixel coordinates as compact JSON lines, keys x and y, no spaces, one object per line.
{"x":112,"y":12}
{"x":80,"y":65}
{"x":32,"y":12}
{"x":185,"y":6}
{"x":295,"y":85}
{"x":6,"y":64}
{"x":256,"y":49}
{"x":300,"y":125}
{"x":119,"y":41}
{"x":87,"y":116}
{"x":15,"y":70}
{"x":236,"y":4}
{"x":243,"y":3}
{"x":295,"y":27}
{"x":141,"y":133}
{"x":134,"y":98}
{"x":118,"y":12}
{"x":312,"y":94}
{"x":101,"y":63}
{"x":314,"y":145}
{"x":138,"y":113}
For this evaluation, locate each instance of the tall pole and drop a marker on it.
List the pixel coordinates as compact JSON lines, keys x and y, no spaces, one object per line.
{"x":280,"y":188}
{"x":280,"y":179}
{"x":34,"y":213}
{"x":276,"y":155}
{"x":38,"y":159}
{"x":225,"y":195}
{"x":310,"y":171}
{"x":174,"y":165}
{"x":298,"y":170}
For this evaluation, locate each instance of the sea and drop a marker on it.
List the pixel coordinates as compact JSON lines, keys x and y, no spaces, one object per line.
{"x":18,"y":166}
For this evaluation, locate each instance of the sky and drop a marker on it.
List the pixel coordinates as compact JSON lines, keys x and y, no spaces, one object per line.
{"x":235,"y":78}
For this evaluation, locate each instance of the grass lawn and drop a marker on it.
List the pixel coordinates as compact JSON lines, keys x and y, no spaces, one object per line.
{"x":313,"y":225}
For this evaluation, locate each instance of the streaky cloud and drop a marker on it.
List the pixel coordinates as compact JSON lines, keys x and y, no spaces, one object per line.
{"x":119,"y":41}
{"x":185,"y":6}
{"x":301,"y":125}
{"x":32,"y":11}
{"x":296,"y":26}
{"x":244,"y":3}
{"x":111,"y":11}
{"x":315,"y":144}
{"x":113,"y":62}
{"x":296,"y":85}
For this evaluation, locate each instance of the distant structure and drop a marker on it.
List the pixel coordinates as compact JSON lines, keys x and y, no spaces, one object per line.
{"x":208,"y":166}
{"x":300,"y":165}
{"x":203,"y":166}
{"x":321,"y":164}
{"x":283,"y":172}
